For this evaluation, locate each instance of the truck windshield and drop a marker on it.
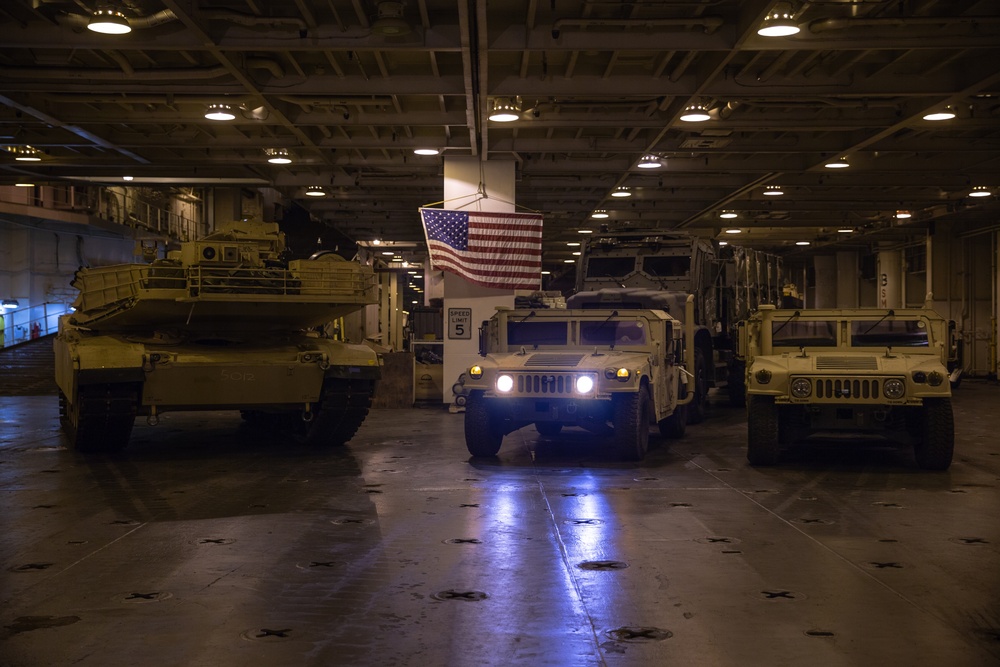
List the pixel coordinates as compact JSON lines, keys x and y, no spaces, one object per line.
{"x":804,"y":333}
{"x":667,"y":267}
{"x":610,"y":267}
{"x":891,"y":333}
{"x":537,"y":332}
{"x":612,"y":333}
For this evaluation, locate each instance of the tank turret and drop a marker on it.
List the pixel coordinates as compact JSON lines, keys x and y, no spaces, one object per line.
{"x":225,"y":322}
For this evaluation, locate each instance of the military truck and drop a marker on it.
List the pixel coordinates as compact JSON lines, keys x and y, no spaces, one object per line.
{"x":868,"y":371}
{"x":222,"y":323}
{"x":728,"y":283}
{"x":610,"y":371}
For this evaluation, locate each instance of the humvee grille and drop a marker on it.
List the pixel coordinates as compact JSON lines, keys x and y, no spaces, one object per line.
{"x":545,"y":383}
{"x":847,"y":388}
{"x":847,"y":363}
{"x":554,"y":360}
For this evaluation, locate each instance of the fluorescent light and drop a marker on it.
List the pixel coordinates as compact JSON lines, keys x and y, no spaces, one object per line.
{"x":802,"y":243}
{"x":24,"y":185}
{"x":569,"y":261}
{"x":426,"y":151}
{"x":573,"y":244}
{"x":845,"y":230}
{"x":734,"y":231}
{"x":128,"y":178}
{"x":723,"y":242}
{"x":585,"y":231}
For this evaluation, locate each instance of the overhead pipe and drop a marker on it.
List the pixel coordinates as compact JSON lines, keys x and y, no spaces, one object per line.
{"x":83,"y":73}
{"x":710,"y":23}
{"x":822,"y":25}
{"x":250,"y":19}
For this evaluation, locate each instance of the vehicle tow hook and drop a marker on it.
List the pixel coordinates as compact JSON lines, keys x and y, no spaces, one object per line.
{"x":307,"y":414}
{"x":153,"y":419}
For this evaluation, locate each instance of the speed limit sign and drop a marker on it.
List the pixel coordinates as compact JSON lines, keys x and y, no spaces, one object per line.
{"x":460,"y":323}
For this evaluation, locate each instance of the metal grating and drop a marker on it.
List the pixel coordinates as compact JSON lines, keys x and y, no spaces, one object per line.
{"x":848,"y":388}
{"x":847,"y":363}
{"x":546,"y":384}
{"x":559,"y":360}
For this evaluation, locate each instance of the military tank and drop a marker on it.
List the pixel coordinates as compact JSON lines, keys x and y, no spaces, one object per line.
{"x":223,"y":323}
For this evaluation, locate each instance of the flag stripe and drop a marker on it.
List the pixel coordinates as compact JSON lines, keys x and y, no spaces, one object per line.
{"x":480,"y":260}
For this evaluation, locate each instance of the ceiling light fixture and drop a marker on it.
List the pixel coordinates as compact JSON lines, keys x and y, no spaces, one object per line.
{"x":845,"y":230}
{"x":773,"y":191}
{"x":839,"y":163}
{"x":695,"y":113}
{"x":980,"y":191}
{"x":569,"y":261}
{"x":506,"y":109}
{"x":779,"y":22}
{"x":109,"y":22}
{"x":650,"y":162}
{"x":278,"y":155}
{"x":219,"y":112}
{"x":9,"y":303}
{"x":723,"y":243}
{"x":903,"y":215}
{"x":601,"y":213}
{"x":128,"y":178}
{"x":426,"y":151}
{"x":802,"y":243}
{"x":734,"y":231}
{"x":942,"y":114}
{"x":315,"y":191}
{"x":573,"y":244}
{"x":390,"y":21}
{"x":728,"y":215}
{"x":585,"y":231}
{"x":26,"y":153}
{"x":622,"y":191}
{"x":24,"y":185}
{"x":376,"y":241}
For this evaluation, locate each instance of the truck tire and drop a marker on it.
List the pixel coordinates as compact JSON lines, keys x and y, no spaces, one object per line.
{"x":483,"y":434}
{"x":548,"y":429}
{"x":935,"y":445}
{"x":763,"y":444}
{"x":696,"y":408}
{"x":631,"y":422}
{"x":101,"y":419}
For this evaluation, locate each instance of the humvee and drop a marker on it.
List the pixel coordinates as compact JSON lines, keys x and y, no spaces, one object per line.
{"x":878,"y":372}
{"x":603,"y":369}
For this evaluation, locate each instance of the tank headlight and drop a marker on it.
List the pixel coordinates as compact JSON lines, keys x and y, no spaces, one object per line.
{"x":476,"y":372}
{"x":894,"y":388}
{"x":584,"y":384}
{"x":934,"y":378}
{"x":801,"y":388}
{"x":505,"y":383}
{"x":763,"y":376}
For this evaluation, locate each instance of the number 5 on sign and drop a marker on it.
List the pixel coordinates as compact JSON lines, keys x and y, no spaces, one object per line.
{"x":460,"y":323}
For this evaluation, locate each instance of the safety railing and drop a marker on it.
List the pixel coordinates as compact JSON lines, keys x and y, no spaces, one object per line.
{"x":28,"y":323}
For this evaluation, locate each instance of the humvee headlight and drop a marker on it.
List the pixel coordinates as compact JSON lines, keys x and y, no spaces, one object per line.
{"x":763,"y":376}
{"x":934,"y":378}
{"x":621,"y":374}
{"x":476,"y":372}
{"x":584,"y":384}
{"x":801,"y":388}
{"x":505,"y":383}
{"x":894,"y":388}
{"x":919,"y":377}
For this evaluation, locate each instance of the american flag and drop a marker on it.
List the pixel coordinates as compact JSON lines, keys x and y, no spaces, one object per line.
{"x":486,"y":248}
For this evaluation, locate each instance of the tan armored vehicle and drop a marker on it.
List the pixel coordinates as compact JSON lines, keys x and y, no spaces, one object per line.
{"x":608,"y":371}
{"x":871,"y":371}
{"x":223,"y":323}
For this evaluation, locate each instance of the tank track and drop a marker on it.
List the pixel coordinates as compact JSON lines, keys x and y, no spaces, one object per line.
{"x":344,"y":407}
{"x":102,"y":418}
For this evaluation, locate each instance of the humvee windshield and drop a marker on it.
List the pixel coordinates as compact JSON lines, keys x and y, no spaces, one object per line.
{"x":888,"y":333}
{"x":612,"y":333}
{"x":804,"y":333}
{"x":537,"y":332}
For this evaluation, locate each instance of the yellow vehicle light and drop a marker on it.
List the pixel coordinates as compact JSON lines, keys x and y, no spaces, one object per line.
{"x":476,"y":372}
{"x":623,"y":374}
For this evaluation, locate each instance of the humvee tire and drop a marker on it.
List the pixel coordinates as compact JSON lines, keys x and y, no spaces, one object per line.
{"x":763,"y":444}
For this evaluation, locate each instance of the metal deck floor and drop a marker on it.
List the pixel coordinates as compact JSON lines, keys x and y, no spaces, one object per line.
{"x":205,"y":544}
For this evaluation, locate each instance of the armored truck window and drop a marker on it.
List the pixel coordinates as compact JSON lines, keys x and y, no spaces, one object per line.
{"x":612,"y":333}
{"x":804,"y":333}
{"x":666,"y":267}
{"x":891,"y":333}
{"x":610,"y":267}
{"x":536,"y":333}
